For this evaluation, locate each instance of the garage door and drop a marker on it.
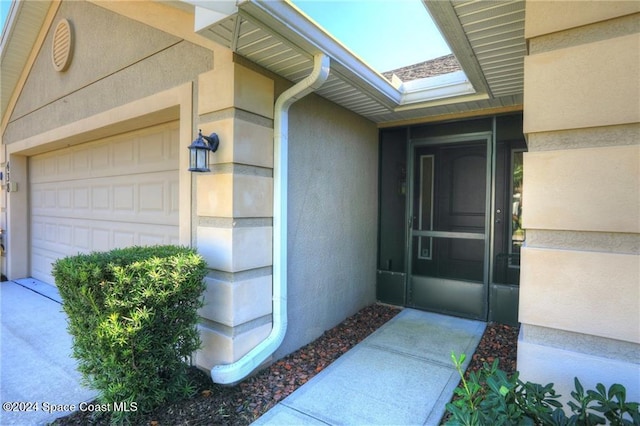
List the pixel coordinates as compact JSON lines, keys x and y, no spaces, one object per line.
{"x":111,"y":193}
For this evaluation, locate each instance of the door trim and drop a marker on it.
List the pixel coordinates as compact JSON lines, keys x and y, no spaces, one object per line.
{"x":490,"y":139}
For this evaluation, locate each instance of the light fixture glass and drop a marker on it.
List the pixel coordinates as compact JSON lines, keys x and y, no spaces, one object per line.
{"x":199,"y":152}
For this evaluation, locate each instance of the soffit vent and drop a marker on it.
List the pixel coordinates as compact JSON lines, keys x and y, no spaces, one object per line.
{"x":62,"y":46}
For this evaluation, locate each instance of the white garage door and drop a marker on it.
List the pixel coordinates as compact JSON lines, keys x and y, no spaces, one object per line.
{"x":115,"y":192}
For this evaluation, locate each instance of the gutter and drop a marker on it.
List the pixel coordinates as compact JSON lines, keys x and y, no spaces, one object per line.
{"x":233,"y":373}
{"x":284,"y":18}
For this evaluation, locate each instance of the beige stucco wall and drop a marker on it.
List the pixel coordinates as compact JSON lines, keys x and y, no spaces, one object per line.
{"x":586,"y":189}
{"x":105,"y":71}
{"x":585,"y":292}
{"x":546,"y":17}
{"x":580,"y":277}
{"x":112,"y":86}
{"x":556,"y":102}
{"x":233,"y":212}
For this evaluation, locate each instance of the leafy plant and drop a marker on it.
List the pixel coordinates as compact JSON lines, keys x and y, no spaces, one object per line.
{"x":133,"y":315}
{"x":491,"y":397}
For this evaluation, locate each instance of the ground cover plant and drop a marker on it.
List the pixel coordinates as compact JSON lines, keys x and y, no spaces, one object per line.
{"x":133,"y":315}
{"x":491,"y":397}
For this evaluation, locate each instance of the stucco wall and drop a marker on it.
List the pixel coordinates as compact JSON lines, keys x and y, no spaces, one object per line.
{"x":124,"y":75}
{"x":115,"y":60}
{"x":333,"y":204}
{"x":544,"y":19}
{"x":580,"y":278}
{"x":234,"y":208}
{"x":581,"y":171}
{"x":332,"y":193}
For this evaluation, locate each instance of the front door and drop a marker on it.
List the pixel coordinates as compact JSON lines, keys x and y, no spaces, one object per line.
{"x":449,"y":224}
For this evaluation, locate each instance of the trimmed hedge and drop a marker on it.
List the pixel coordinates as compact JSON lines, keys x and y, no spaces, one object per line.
{"x":133,"y":315}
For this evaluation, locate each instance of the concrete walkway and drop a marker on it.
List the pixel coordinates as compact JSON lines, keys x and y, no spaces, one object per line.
{"x":36,"y":367}
{"x":401,"y":374}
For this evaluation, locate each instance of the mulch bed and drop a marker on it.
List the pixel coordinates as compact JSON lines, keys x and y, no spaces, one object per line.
{"x":242,"y":404}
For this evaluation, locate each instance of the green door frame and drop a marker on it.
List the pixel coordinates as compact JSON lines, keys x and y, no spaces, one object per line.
{"x":488,"y":236}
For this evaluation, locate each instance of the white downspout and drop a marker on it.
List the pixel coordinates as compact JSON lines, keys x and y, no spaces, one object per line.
{"x":233,"y":373}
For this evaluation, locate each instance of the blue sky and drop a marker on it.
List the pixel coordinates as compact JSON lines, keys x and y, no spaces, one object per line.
{"x":4,"y":10}
{"x":387,"y":34}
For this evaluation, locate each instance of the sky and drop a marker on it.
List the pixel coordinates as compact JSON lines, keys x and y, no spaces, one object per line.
{"x":387,"y":34}
{"x":4,"y":11}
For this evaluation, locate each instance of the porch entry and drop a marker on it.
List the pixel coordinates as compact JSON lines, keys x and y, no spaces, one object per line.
{"x":450,"y":209}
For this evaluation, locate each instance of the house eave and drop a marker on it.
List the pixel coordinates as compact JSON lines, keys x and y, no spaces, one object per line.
{"x":290,"y":22}
{"x":284,"y":20}
{"x":279,"y":37}
{"x":19,"y":35}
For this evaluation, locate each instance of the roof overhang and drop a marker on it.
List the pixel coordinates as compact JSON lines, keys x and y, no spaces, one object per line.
{"x":17,"y":43}
{"x":487,"y":37}
{"x":279,"y":37}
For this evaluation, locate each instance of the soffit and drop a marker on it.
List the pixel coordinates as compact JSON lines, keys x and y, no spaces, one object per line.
{"x":18,"y":42}
{"x":286,"y":47}
{"x":490,"y":34}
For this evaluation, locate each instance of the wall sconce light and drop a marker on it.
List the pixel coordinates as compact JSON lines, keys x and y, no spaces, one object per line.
{"x":199,"y":152}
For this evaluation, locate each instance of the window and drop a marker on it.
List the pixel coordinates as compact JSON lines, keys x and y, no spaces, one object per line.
{"x":425,"y":206}
{"x":515,"y":229}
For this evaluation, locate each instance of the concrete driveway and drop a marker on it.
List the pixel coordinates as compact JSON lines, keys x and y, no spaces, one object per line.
{"x":38,"y":377}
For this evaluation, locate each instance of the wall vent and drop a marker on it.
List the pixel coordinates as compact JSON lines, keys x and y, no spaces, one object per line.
{"x":62,"y":46}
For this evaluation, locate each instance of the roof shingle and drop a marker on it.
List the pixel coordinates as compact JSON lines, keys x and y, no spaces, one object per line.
{"x":430,"y":68}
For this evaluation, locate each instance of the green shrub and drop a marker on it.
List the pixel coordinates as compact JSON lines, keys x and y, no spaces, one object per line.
{"x":133,"y":315}
{"x":491,"y":397}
